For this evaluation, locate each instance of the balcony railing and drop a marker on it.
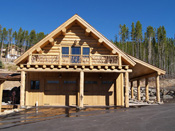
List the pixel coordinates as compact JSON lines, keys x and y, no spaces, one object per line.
{"x":41,"y":59}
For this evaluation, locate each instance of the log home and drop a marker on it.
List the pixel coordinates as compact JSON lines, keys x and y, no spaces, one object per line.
{"x":75,"y":65}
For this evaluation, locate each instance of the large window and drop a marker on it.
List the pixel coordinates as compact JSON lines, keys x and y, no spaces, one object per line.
{"x":65,"y":50}
{"x":35,"y":84}
{"x":86,"y":50}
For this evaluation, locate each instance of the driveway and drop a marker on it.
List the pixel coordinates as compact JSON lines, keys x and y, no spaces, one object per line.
{"x":158,"y":117}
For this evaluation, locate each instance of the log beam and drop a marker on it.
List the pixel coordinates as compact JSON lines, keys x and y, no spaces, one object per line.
{"x":112,"y":67}
{"x":59,"y":66}
{"x":114,"y":52}
{"x":100,"y":41}
{"x":52,"y":66}
{"x":87,"y":32}
{"x":22,"y":89}
{"x":138,"y":90}
{"x":146,"y":89}
{"x":28,"y":66}
{"x":63,"y":31}
{"x":132,"y":90}
{"x":157,"y":88}
{"x":51,"y":40}
{"x":81,"y":96}
{"x":1,"y":94}
{"x":36,"y":66}
{"x":106,"y":67}
{"x":99,"y":67}
{"x":126,"y":89}
{"x":44,"y":66}
{"x":39,"y":50}
{"x":21,"y":66}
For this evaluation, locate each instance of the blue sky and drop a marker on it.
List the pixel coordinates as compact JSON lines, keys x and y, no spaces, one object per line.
{"x":104,"y":15}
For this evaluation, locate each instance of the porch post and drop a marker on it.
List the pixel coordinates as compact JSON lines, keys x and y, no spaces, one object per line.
{"x":157,"y":88}
{"x":81,"y":89}
{"x":22,"y":89}
{"x":132,"y":90}
{"x":126,"y":89}
{"x":146,"y":89}
{"x":1,"y":94}
{"x":138,"y":90}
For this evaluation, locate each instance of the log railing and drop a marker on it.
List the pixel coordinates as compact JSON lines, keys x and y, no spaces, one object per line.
{"x":74,"y":59}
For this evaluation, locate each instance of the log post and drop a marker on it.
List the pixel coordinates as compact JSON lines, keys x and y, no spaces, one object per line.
{"x":126,"y":89}
{"x":22,"y":89}
{"x":81,"y":90}
{"x":132,"y":90}
{"x":146,"y":89}
{"x":30,"y":59}
{"x":1,"y":94}
{"x":138,"y":90}
{"x":157,"y":88}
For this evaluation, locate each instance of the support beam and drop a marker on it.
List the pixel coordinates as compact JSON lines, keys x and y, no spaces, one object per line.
{"x":143,"y":76}
{"x":81,"y":90}
{"x":114,"y":52}
{"x":132,"y":90}
{"x":146,"y":89}
{"x":22,"y":89}
{"x":126,"y":89}
{"x":52,"y":66}
{"x":106,"y":67}
{"x":44,"y":66}
{"x":36,"y":66}
{"x":100,"y":41}
{"x":157,"y":88}
{"x":59,"y":66}
{"x":87,"y":32}
{"x":63,"y":31}
{"x":39,"y":50}
{"x":91,"y":67}
{"x":112,"y":67}
{"x":1,"y":94}
{"x":99,"y":67}
{"x":119,"y":60}
{"x":51,"y":40}
{"x":30,"y":59}
{"x":28,"y":66}
{"x":75,"y":66}
{"x":21,"y":66}
{"x":138,"y":90}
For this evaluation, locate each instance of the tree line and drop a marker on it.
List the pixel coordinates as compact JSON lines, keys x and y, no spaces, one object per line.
{"x":21,"y":38}
{"x":152,"y":46}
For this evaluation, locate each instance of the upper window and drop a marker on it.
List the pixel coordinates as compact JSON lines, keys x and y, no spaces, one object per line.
{"x":65,"y":50}
{"x":86,"y":50}
{"x":52,"y":82}
{"x":35,"y":84}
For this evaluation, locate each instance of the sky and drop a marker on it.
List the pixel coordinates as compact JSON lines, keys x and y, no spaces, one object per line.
{"x":104,"y":15}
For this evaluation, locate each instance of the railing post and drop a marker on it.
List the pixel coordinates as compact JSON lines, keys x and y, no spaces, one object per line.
{"x":90,"y":59}
{"x":30,"y":59}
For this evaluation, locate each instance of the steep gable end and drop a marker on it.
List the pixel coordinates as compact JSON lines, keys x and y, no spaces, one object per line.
{"x":59,"y":33}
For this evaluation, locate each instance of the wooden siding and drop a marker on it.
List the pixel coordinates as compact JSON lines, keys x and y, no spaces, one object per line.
{"x":101,"y":93}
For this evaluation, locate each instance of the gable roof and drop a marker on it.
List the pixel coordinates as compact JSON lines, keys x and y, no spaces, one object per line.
{"x":66,"y":24}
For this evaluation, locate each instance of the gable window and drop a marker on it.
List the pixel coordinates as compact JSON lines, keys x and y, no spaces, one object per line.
{"x":34,"y":84}
{"x":86,"y":50}
{"x":65,"y":50}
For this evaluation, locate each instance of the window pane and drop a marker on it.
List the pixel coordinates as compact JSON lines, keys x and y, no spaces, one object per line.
{"x":90,"y":82}
{"x":69,"y":82}
{"x":35,"y":84}
{"x":52,"y":82}
{"x":65,"y":50}
{"x":76,"y":50}
{"x":86,"y":50}
{"x":107,"y":82}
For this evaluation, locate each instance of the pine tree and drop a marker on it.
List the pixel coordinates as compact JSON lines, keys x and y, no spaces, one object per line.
{"x":138,"y":38}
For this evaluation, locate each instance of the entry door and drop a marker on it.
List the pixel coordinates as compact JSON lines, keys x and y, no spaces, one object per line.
{"x":76,"y":52}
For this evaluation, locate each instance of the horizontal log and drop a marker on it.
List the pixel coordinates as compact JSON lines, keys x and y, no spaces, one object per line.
{"x":36,"y":66}
{"x":75,"y":67}
{"x":91,"y":67}
{"x":112,"y":67}
{"x":44,"y":66}
{"x":21,"y":65}
{"x":52,"y":66}
{"x":126,"y":67}
{"x":100,"y":41}
{"x":59,"y":66}
{"x":67,"y":66}
{"x":87,"y":32}
{"x":114,"y":52}
{"x":51,"y":40}
{"x":63,"y":31}
{"x":99,"y":67}
{"x":28,"y":66}
{"x":106,"y":67}
{"x":83,"y":67}
{"x":119,"y":67}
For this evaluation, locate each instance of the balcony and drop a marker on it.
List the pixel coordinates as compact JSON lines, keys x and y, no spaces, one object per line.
{"x":102,"y":60}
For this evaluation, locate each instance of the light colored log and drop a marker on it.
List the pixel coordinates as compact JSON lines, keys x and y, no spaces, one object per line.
{"x":28,"y":66}
{"x":21,"y":66}
{"x":119,"y":67}
{"x":157,"y":88}
{"x":39,"y":50}
{"x":30,"y":59}
{"x":132,"y":90}
{"x":114,"y":52}
{"x":81,"y":89}
{"x":106,"y":67}
{"x":99,"y":67}
{"x":138,"y":90}
{"x":75,"y":66}
{"x":64,"y":31}
{"x":67,"y":66}
{"x":51,"y":40}
{"x":59,"y":66}
{"x":87,"y":32}
{"x":143,"y":77}
{"x":126,"y":67}
{"x":119,"y":60}
{"x":100,"y":41}
{"x":83,"y":67}
{"x":44,"y":66}
{"x":146,"y":89}
{"x":126,"y":89}
{"x":36,"y":66}
{"x":91,"y":67}
{"x":112,"y":67}
{"x":1,"y":94}
{"x":52,"y":66}
{"x":22,"y":89}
